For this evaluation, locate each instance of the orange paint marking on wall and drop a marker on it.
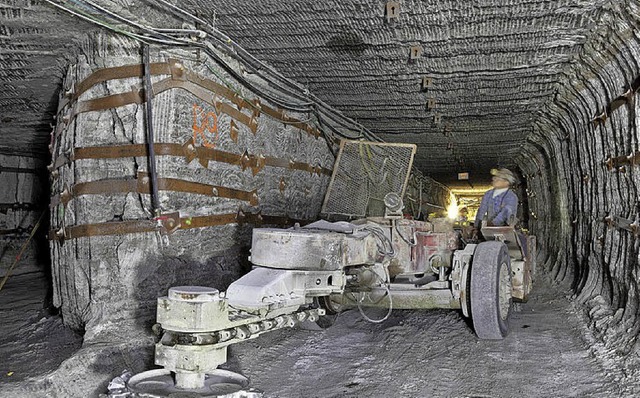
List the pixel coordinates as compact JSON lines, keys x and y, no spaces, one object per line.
{"x":207,"y":128}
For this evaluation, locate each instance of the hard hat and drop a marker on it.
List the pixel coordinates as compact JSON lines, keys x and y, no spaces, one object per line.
{"x":505,"y":174}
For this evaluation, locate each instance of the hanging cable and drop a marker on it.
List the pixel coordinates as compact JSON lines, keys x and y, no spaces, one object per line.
{"x":385,"y":247}
{"x":412,"y":243}
{"x":110,"y":14}
{"x":239,"y":52}
{"x":251,"y":87}
{"x":22,"y":249}
{"x":92,"y":19}
{"x":384,"y":283}
{"x":148,"y":97}
{"x":296,"y":98}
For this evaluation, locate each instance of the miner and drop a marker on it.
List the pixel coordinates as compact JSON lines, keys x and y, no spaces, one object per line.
{"x":499,"y":205}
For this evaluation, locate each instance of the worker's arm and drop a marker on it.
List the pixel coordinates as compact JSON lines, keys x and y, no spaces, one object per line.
{"x":484,"y":207}
{"x":509,"y":207}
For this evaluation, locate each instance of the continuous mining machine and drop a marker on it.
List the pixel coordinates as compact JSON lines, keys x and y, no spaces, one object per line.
{"x":373,"y":257}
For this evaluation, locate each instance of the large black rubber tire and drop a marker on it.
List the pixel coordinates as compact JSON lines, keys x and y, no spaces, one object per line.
{"x":490,"y":315}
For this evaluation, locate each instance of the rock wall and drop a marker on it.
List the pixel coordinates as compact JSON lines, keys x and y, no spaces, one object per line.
{"x":580,"y":165}
{"x":226,"y":161}
{"x":424,"y":196}
{"x":23,"y":193}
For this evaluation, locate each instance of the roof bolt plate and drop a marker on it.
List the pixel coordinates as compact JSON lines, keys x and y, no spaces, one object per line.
{"x":392,"y":10}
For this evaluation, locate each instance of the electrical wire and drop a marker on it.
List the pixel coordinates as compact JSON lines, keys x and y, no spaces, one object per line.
{"x":85,"y":18}
{"x":296,"y":98}
{"x":415,"y":241}
{"x":167,"y":40}
{"x":250,"y":86}
{"x":239,"y":52}
{"x":382,"y":238}
{"x":181,"y":11}
{"x":384,"y":283}
{"x":89,"y":18}
{"x":153,"y":31}
{"x":239,"y":94}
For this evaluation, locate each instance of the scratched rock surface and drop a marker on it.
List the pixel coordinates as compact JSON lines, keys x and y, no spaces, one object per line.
{"x":21,"y":200}
{"x":108,"y":284}
{"x":260,"y":168}
{"x":584,"y":202}
{"x":435,"y":354}
{"x":414,"y":353}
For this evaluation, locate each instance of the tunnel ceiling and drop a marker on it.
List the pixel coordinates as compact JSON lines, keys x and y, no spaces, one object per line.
{"x":468,"y":98}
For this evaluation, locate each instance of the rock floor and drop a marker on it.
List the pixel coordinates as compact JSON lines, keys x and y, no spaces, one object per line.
{"x":412,"y":354}
{"x":433,"y":354}
{"x":32,"y":340}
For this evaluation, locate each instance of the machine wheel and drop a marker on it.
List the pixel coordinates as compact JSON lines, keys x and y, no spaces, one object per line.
{"x":161,"y":383}
{"x":490,"y":290}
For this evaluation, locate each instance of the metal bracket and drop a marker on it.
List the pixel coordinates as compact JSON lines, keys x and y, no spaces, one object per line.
{"x":622,"y":223}
{"x":233,"y":131}
{"x":415,"y":52}
{"x":617,"y":163}
{"x":427,"y":82}
{"x":624,"y":98}
{"x":392,"y":10}
{"x":177,"y":69}
{"x":168,"y":223}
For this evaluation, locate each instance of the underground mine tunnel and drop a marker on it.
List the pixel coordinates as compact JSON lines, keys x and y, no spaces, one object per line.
{"x":144,"y":145}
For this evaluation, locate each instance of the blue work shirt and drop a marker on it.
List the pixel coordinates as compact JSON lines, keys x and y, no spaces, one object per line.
{"x":498,"y":209}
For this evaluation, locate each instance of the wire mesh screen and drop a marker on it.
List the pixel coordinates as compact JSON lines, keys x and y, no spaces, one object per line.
{"x":363,"y":174}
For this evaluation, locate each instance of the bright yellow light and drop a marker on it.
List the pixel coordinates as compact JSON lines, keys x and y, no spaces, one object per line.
{"x":452,"y":209}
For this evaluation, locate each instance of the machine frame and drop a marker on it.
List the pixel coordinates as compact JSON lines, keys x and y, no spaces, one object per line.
{"x":311,"y":273}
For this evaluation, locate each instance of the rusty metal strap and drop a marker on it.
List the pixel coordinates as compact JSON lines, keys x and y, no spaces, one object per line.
{"x":619,"y":161}
{"x":249,"y":121}
{"x":136,"y":96}
{"x":108,"y":102}
{"x":280,"y":115}
{"x":208,"y":84}
{"x":118,"y":72}
{"x":141,"y":185}
{"x":178,"y":72}
{"x":163,"y":226}
{"x":190,"y":152}
{"x":622,"y":223}
{"x":180,"y":78}
{"x":293,"y":165}
{"x":203,"y":90}
{"x":306,"y":167}
{"x":176,"y":185}
{"x":173,"y":67}
{"x":204,"y":94}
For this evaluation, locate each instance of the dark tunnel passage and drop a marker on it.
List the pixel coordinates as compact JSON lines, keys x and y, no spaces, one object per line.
{"x":243,"y":106}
